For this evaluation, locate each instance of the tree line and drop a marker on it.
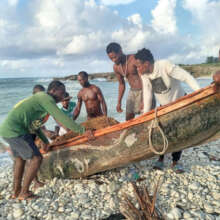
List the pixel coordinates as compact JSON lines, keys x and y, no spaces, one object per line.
{"x":212,"y":59}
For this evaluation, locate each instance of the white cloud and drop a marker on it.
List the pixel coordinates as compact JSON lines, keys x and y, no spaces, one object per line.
{"x":136,"y":19}
{"x":164,"y":19}
{"x":81,"y":44}
{"x":62,"y":37}
{"x":13,"y":2}
{"x":205,"y":13}
{"x":116,"y":2}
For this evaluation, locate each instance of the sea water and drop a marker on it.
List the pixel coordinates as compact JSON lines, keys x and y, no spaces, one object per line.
{"x":12,"y":90}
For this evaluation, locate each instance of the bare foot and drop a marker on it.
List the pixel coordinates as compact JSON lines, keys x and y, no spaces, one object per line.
{"x":27,"y":196}
{"x":15,"y":194}
{"x":38,"y":184}
{"x":177,"y":168}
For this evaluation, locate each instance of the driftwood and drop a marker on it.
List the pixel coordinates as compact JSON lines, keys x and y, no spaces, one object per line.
{"x":189,"y":121}
{"x":147,"y":204}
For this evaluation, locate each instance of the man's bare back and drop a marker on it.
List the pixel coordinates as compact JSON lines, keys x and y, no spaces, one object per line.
{"x":92,"y":96}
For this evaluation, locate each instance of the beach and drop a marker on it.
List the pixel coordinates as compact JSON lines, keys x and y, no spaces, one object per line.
{"x":194,"y":194}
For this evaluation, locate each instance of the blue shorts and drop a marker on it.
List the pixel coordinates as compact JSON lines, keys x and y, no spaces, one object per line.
{"x":23,"y":146}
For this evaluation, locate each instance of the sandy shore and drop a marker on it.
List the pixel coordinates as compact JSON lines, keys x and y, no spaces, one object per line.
{"x":192,"y":195}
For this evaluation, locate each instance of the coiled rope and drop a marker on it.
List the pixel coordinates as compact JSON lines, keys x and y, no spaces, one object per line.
{"x":155,"y":124}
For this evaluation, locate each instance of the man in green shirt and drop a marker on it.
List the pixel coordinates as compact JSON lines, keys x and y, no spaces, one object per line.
{"x":16,"y":130}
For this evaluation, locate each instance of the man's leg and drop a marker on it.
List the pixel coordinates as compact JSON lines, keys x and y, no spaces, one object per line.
{"x":19,"y":165}
{"x":37,"y":183}
{"x":30,"y":174}
{"x":129,"y":116}
{"x":176,"y":157}
{"x":159,"y":164}
{"x":130,"y":106}
{"x":161,"y":158}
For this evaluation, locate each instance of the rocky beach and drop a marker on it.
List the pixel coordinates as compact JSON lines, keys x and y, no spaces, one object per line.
{"x":194,"y":194}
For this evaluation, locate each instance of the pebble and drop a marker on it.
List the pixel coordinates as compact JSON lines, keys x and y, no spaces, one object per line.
{"x":176,"y":213}
{"x":186,"y":215}
{"x":194,"y":186}
{"x":208,"y":208}
{"x":18,"y":213}
{"x":216,"y":195}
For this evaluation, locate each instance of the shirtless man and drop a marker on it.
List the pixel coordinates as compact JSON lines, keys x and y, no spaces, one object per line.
{"x":92,"y":96}
{"x":125,"y":66}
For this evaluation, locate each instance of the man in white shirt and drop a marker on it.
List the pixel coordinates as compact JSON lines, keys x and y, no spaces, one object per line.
{"x":163,"y":79}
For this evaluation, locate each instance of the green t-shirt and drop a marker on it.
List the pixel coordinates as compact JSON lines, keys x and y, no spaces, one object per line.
{"x":69,"y":111}
{"x":21,"y":119}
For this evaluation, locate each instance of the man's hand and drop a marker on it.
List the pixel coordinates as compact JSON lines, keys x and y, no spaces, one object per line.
{"x":118,"y":108}
{"x":90,"y":135}
{"x":45,"y":147}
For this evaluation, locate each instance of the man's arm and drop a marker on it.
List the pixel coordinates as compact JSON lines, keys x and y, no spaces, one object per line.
{"x":121,"y":89}
{"x":182,"y":75}
{"x":41,"y":135}
{"x":51,"y":107}
{"x":147,"y":93}
{"x":102,"y":101}
{"x":142,"y":93}
{"x":78,"y":107}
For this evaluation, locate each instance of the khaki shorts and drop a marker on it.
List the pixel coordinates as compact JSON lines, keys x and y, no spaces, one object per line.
{"x":134,"y":100}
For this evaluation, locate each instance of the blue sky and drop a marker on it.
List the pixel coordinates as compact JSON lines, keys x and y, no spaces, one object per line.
{"x":59,"y":38}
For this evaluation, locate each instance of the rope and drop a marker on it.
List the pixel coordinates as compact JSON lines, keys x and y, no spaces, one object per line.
{"x":155,"y":124}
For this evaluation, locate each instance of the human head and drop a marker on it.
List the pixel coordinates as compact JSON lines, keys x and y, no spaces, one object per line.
{"x":38,"y":88}
{"x":66,"y":100}
{"x":144,"y":61}
{"x":83,"y":78}
{"x":114,"y":52}
{"x":57,"y":90}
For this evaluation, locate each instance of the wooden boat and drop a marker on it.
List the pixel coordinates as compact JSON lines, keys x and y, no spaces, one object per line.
{"x":189,"y":121}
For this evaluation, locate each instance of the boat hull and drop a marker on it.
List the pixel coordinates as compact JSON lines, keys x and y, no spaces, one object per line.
{"x":184,"y":127}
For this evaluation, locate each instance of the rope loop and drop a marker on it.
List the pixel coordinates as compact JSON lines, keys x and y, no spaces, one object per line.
{"x":155,"y":124}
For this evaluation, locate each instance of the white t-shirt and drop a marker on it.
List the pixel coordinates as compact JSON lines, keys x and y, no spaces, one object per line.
{"x":165,"y":83}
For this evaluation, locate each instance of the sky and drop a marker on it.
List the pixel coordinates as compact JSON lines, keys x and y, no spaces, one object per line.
{"x":47,"y":38}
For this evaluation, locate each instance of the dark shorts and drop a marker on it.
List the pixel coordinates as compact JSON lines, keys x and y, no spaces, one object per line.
{"x":23,"y":146}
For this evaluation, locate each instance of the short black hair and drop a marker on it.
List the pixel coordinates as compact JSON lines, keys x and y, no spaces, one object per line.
{"x":39,"y":88}
{"x":113,"y":47}
{"x":66,"y":94}
{"x":55,"y":84}
{"x":84,"y":74}
{"x":144,"y":55}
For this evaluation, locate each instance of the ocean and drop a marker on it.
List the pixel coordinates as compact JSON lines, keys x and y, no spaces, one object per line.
{"x":12,"y":90}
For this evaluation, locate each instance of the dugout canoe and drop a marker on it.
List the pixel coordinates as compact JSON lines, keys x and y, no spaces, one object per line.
{"x":189,"y":121}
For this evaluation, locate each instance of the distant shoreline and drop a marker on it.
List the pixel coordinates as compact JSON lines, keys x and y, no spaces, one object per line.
{"x":197,"y":70}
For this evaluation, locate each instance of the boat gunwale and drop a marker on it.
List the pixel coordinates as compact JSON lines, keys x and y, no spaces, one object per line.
{"x":162,"y":110}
